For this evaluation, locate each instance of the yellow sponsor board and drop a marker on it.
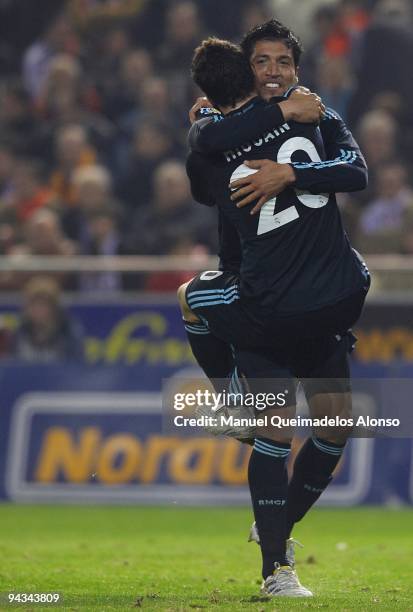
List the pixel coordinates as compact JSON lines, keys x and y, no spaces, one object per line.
{"x":384,"y":346}
{"x":123,"y":458}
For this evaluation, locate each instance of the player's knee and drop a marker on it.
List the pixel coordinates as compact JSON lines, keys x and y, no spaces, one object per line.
{"x":274,"y":436}
{"x":181,"y":291}
{"x":339,"y":437}
{"x":333,"y":412}
{"x":187,"y":313}
{"x":276,"y":424}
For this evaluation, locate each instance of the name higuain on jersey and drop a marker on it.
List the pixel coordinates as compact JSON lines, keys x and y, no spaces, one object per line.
{"x":247,"y":148}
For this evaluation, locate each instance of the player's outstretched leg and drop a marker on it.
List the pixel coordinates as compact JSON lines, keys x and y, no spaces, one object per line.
{"x":267,"y":477}
{"x":267,"y":470}
{"x":268,"y":481}
{"x":328,"y":391}
{"x":319,"y":455}
{"x":215,"y":357}
{"x":313,"y":469}
{"x":212,"y":354}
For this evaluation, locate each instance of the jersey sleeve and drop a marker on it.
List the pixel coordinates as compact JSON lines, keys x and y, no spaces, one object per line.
{"x":229,"y":245}
{"x":344,"y":169}
{"x":217,"y":133}
{"x":196,"y":170}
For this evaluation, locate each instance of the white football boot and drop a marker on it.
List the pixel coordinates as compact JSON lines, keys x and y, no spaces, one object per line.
{"x":291,"y":543}
{"x":216,"y":426}
{"x":284,"y":583}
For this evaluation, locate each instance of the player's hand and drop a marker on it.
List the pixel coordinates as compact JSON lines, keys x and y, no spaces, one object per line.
{"x":270,"y":180}
{"x":201,"y":102}
{"x":303,"y":106}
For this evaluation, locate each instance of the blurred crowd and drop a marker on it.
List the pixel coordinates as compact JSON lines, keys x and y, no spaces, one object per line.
{"x":94,"y":100}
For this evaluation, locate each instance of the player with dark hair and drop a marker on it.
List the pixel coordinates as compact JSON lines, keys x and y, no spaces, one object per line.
{"x":301,"y":286}
{"x":219,"y":67}
{"x":269,"y":31}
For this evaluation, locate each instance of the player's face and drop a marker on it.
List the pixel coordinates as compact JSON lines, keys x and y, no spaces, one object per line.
{"x":274,"y":68}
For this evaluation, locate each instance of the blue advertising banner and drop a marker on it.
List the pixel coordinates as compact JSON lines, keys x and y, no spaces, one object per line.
{"x":150,"y":331}
{"x":94,"y":433}
{"x":128,"y":332}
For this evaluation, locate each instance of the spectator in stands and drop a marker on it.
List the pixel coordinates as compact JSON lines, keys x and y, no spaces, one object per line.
{"x":389,"y":36}
{"x":171,"y":217}
{"x":153,"y":104}
{"x":57,"y":38}
{"x":103,"y":51}
{"x":40,"y":235}
{"x":92,"y":187}
{"x":183,"y":33}
{"x":69,"y":101}
{"x":152,"y":144}
{"x":254,"y":14}
{"x":44,"y":236}
{"x":107,"y":83}
{"x":323,"y":24}
{"x":354,"y":18}
{"x":47,"y":333}
{"x":26,"y":193}
{"x":18,"y":123}
{"x":378,"y":138}
{"x":383,"y":223}
{"x":101,"y":237}
{"x":301,"y":13}
{"x":64,"y":75}
{"x":335,"y":83}
{"x":73,"y":150}
{"x":121,"y":95}
{"x":222,"y":20}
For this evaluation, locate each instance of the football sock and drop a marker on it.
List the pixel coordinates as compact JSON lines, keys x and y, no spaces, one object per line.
{"x":268,"y":482}
{"x":313,"y":468}
{"x":212,"y":354}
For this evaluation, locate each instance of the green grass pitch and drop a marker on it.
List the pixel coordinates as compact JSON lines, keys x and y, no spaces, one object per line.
{"x":171,"y":558}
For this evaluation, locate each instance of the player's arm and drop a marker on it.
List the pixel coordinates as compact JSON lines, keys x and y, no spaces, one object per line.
{"x":344,"y":169}
{"x":229,"y":242}
{"x":215,"y":133}
{"x":229,"y":245}
{"x":195,"y":169}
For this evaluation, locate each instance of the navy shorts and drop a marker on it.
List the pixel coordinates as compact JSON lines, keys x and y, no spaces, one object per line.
{"x":310,"y":345}
{"x":214,"y":297}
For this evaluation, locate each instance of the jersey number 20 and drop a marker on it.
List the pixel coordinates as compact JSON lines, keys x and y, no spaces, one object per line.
{"x":269,"y":221}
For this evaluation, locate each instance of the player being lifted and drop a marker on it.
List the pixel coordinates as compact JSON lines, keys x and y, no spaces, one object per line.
{"x":300,"y":288}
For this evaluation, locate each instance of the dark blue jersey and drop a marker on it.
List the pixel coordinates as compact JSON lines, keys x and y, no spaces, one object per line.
{"x":295,"y":255}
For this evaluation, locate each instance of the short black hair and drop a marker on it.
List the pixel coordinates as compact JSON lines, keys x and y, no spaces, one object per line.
{"x":272,"y":30}
{"x":222,"y":71}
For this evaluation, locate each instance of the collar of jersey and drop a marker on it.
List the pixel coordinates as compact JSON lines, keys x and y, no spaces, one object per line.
{"x":257,"y":100}
{"x":245,"y":108}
